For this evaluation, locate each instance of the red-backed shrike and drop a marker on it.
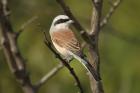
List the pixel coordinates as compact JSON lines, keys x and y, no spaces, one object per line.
{"x":66,"y":43}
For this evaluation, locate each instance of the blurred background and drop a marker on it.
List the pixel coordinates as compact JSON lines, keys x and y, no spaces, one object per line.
{"x":119,"y":47}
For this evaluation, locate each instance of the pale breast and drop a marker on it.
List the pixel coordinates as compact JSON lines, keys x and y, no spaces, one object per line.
{"x":63,"y":51}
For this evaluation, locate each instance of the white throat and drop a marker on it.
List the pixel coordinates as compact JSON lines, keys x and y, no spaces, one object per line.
{"x":58,"y":27}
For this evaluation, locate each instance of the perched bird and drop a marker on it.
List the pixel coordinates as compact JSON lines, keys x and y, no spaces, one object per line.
{"x":66,"y":43}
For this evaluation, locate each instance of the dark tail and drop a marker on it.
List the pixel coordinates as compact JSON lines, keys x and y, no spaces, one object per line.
{"x":88,"y":66}
{"x":92,"y":70}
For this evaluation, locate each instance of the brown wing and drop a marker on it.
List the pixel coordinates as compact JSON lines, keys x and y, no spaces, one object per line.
{"x":67,"y":40}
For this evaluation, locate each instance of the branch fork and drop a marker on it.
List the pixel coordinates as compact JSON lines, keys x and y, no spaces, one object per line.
{"x":17,"y":63}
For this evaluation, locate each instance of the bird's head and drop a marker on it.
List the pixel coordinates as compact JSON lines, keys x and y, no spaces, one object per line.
{"x":61,"y":21}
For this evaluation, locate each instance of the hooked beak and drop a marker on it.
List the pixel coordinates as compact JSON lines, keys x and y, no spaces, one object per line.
{"x":70,"y":21}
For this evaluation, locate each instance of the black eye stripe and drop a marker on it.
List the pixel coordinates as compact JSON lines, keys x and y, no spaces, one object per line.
{"x":61,"y":21}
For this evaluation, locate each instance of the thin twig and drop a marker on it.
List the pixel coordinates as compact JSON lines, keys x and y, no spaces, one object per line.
{"x":65,"y":63}
{"x":49,"y":75}
{"x":23,"y":26}
{"x":11,"y":51}
{"x":114,"y":6}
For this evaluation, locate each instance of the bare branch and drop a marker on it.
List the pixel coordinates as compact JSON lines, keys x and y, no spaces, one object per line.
{"x":96,"y":17}
{"x":31,"y":20}
{"x":114,"y":6}
{"x":49,"y":75}
{"x":92,"y":38}
{"x":13,"y":56}
{"x":96,"y":24}
{"x":53,"y":72}
{"x":65,"y":63}
{"x":76,"y":24}
{"x":94,"y":57}
{"x":69,"y":13}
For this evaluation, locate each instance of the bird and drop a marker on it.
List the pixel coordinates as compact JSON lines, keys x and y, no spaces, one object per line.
{"x":66,"y":43}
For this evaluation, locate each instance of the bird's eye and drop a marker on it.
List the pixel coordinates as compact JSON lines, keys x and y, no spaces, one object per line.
{"x":61,"y":21}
